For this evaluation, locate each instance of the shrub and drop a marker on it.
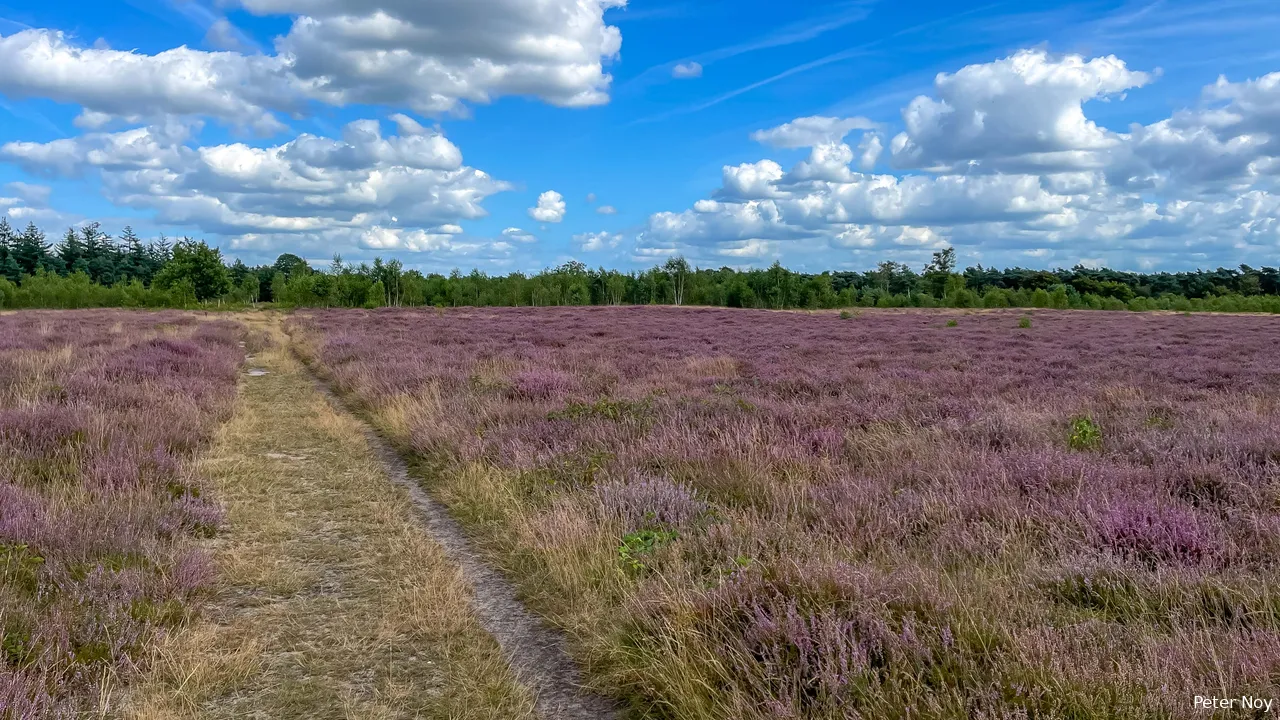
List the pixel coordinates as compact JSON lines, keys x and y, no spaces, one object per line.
{"x":1085,"y":434}
{"x":650,"y":502}
{"x":636,"y":545}
{"x":1024,"y":322}
{"x":952,"y":323}
{"x":846,"y":315}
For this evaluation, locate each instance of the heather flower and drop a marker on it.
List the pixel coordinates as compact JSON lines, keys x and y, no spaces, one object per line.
{"x":1154,"y":533}
{"x":95,"y":493}
{"x":541,"y":384}
{"x":648,"y":501}
{"x":800,"y":458}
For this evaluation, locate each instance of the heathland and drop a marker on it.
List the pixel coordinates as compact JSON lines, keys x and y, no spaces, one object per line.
{"x":767,"y":514}
{"x":726,"y":513}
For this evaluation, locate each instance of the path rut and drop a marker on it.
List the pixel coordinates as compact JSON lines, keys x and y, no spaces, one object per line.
{"x":536,"y":652}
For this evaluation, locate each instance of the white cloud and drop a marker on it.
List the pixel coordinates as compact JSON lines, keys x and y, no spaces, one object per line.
{"x":607,"y":210}
{"x":687,"y":70}
{"x":591,"y":197}
{"x":518,"y":235}
{"x":810,"y":131}
{"x":1022,"y":112}
{"x":550,"y":208}
{"x":237,"y":89}
{"x":593,"y":242}
{"x":869,"y":151}
{"x":1009,"y":165}
{"x":406,"y":125}
{"x":406,"y":192}
{"x":432,"y":57}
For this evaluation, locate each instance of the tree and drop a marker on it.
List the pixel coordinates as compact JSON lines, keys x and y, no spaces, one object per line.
{"x":100,"y":254}
{"x":30,"y":250}
{"x":249,"y":288}
{"x":71,"y":252}
{"x":939,"y":271}
{"x":615,"y":287}
{"x":290,"y":264}
{"x":9,"y":269}
{"x":195,"y":262}
{"x":136,"y":262}
{"x":677,"y":268}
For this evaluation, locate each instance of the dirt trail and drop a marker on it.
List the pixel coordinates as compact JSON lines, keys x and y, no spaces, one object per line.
{"x":537,"y":653}
{"x":332,"y":600}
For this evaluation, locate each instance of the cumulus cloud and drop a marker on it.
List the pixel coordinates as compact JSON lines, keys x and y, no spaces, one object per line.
{"x":518,"y":235}
{"x":592,"y":242}
{"x":687,"y":70}
{"x":238,"y":89}
{"x":550,"y":208}
{"x":1021,"y":112}
{"x":380,"y":238}
{"x":607,"y":210}
{"x":404,"y":192}
{"x":432,"y":57}
{"x":1008,"y":164}
{"x":809,"y":131}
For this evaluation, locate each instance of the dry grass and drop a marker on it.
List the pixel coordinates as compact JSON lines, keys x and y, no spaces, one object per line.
{"x":333,"y":602}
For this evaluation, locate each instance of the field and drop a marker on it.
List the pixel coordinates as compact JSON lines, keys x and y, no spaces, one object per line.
{"x":718,"y":514}
{"x":101,"y":414}
{"x":890,"y":515}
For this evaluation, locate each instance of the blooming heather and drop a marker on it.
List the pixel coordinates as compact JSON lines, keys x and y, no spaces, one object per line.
{"x":892,"y":517}
{"x":100,"y":413}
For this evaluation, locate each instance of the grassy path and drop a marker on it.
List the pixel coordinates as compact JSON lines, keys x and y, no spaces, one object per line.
{"x":334,"y":600}
{"x":536,"y":653}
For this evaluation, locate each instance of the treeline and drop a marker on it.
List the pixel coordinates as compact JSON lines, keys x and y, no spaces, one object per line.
{"x":89,"y":268}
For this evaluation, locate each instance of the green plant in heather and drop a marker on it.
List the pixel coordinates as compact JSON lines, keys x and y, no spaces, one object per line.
{"x":1085,"y":434}
{"x":20,"y":567}
{"x":1024,"y":322}
{"x":953,"y":323}
{"x":846,"y":315}
{"x":640,"y":543}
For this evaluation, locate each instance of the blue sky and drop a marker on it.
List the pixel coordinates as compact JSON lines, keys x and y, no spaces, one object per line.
{"x":491,"y":133}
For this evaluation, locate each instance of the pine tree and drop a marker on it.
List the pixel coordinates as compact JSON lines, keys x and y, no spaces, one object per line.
{"x":31,"y":251}
{"x":71,"y":252}
{"x":8,"y":263}
{"x":135,"y":263}
{"x":101,"y":254}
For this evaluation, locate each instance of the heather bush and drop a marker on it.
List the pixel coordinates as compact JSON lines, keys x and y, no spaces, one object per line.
{"x":650,"y":502}
{"x":102,"y":412}
{"x":762,"y":515}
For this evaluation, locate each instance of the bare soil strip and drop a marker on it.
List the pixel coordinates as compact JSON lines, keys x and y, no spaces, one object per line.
{"x":334,"y":601}
{"x":536,"y":652}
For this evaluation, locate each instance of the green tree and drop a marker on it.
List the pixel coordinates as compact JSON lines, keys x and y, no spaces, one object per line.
{"x":290,"y":264}
{"x":30,"y":250}
{"x":677,"y":268}
{"x":196,"y":263}
{"x":9,"y":269}
{"x":376,"y":296}
{"x":939,"y":270}
{"x":71,"y":252}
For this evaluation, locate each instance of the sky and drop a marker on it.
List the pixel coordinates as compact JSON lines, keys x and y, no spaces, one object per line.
{"x":513,"y":135}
